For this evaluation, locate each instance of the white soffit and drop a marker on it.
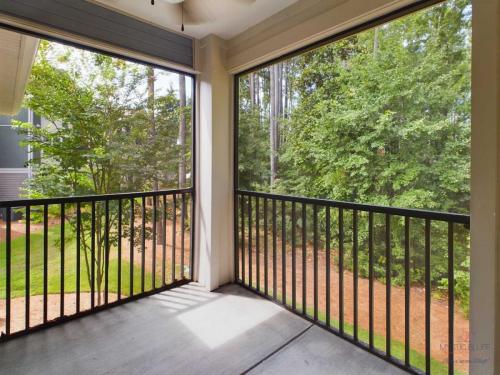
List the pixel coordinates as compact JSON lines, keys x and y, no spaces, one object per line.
{"x":17,"y":54}
{"x":224,"y":18}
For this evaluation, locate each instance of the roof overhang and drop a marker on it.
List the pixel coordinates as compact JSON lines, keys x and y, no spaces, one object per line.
{"x":17,"y":53}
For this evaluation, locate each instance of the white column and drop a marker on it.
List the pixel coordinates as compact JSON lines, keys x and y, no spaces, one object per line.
{"x":214,"y":185}
{"x":485,"y":199}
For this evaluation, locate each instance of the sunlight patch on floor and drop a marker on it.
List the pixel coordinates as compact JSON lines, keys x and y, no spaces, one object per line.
{"x":225,"y":319}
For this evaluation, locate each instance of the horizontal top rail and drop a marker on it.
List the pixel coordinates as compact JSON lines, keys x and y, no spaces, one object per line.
{"x":410,"y":212}
{"x":90,"y":198}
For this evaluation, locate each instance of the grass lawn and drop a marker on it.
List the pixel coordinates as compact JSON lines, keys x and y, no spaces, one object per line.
{"x":54,"y":258}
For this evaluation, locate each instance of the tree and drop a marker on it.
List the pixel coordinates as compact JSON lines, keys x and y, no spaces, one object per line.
{"x":380,"y":117}
{"x":110,"y":131}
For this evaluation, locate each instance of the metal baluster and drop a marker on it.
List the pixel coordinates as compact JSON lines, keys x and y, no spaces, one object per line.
{"x":191,"y":237}
{"x":315,"y":259}
{"x":451,"y":301}
{"x":370,"y":277}
{"x":266,"y":250}
{"x":294,"y":257}
{"x":119,"y":281}
{"x":8,"y":256}
{"x":407,"y":291}
{"x":78,"y":238}
{"x":341,"y":270}
{"x":257,"y":242}
{"x":45,"y":261}
{"x":243,"y":239}
{"x":106,"y":251}
{"x":388,"y":282}
{"x":27,"y":271}
{"x":327,"y":263}
{"x":275,"y":272}
{"x":304,"y":259}
{"x":236,"y":235}
{"x":132,"y":233}
{"x":283,"y":252}
{"x":355,"y":271}
{"x":164,"y":240}
{"x":92,"y":251}
{"x":153,"y":260}
{"x":143,"y":244}
{"x":427,"y":296}
{"x":61,"y":302}
{"x":183,"y":219}
{"x":174,"y":234}
{"x":249,"y":242}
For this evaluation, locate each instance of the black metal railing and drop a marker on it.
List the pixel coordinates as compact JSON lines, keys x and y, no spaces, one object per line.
{"x":77,"y":255}
{"x":287,"y":249}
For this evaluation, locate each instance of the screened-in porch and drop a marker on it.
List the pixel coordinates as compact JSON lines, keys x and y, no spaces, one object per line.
{"x":233,"y":187}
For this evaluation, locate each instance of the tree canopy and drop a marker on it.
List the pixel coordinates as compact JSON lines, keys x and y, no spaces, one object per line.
{"x":108,"y":126}
{"x":380,"y":117}
{"x":104,"y":132}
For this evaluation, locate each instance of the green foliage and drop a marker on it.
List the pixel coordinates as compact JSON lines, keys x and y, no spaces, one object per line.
{"x":381,"y":117}
{"x":109,"y":126}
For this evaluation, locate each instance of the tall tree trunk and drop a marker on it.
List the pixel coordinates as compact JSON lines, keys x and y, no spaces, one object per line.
{"x":252,"y":90}
{"x":257,"y":95}
{"x":272,"y":125}
{"x":275,"y":113}
{"x":182,"y":131}
{"x":286,"y":69}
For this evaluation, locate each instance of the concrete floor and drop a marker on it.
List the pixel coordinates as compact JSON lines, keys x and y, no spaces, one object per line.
{"x":189,"y":331}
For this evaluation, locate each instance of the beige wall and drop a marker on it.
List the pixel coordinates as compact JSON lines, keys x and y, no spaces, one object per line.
{"x":301,"y":24}
{"x":485,"y":200}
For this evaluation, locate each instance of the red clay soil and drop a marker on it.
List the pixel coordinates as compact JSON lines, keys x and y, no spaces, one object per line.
{"x":18,"y":228}
{"x":53,"y":309}
{"x":439,"y":307}
{"x":148,"y":264}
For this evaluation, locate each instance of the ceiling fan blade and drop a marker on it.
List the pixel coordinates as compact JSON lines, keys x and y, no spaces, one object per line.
{"x":194,"y":12}
{"x":174,"y":8}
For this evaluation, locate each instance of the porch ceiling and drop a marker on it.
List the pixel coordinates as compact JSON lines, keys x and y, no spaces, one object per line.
{"x":224,"y":18}
{"x":189,"y":331}
{"x":17,"y":53}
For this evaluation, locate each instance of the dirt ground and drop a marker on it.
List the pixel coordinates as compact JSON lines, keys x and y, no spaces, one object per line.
{"x":439,"y":307}
{"x":18,"y":228}
{"x":53,"y":308}
{"x":148,"y":262}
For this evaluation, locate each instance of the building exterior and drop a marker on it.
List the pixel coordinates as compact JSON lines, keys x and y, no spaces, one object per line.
{"x":14,"y":158}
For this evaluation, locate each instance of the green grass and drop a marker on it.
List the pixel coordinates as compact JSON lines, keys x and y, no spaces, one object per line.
{"x":54,"y":258}
{"x":417,"y":359}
